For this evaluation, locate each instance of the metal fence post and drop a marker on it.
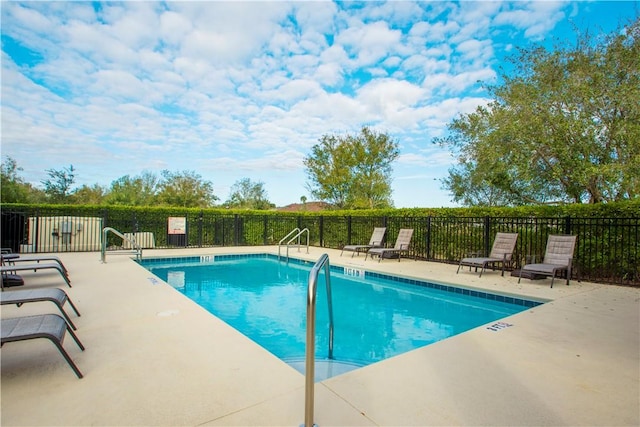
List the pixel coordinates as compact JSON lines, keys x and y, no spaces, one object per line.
{"x":567,"y":225}
{"x":36,"y":235}
{"x":200,"y":226}
{"x":487,"y":235}
{"x":427,"y":249}
{"x":265,"y":230}
{"x":236,"y":229}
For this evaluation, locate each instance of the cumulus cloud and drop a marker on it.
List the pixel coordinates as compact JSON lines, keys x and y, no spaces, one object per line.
{"x":237,"y":89}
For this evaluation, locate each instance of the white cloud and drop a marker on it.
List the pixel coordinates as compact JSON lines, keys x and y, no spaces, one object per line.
{"x":536,"y":18}
{"x":369,"y":43}
{"x":234,"y":89}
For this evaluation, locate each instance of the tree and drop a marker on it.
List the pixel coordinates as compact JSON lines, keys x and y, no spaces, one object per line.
{"x":564,"y":127}
{"x":134,"y":191}
{"x":352,"y":171}
{"x":58,"y":186}
{"x":186,"y":189}
{"x":13,"y":189}
{"x":246,"y":194}
{"x":89,"y":195}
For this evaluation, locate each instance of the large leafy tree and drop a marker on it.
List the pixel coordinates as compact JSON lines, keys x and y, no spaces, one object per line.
{"x":89,"y":195}
{"x":185,"y":189}
{"x":352,"y":171}
{"x":564,"y":126}
{"x":58,"y":186}
{"x":13,"y":189}
{"x":139,"y":190}
{"x":247,"y":194}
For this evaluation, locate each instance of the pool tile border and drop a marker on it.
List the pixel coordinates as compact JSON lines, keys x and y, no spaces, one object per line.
{"x":204,"y":259}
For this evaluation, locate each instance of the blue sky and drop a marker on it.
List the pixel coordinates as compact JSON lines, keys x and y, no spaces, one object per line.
{"x":242,"y":89}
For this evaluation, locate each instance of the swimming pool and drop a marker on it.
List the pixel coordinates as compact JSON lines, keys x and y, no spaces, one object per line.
{"x":376,"y":316}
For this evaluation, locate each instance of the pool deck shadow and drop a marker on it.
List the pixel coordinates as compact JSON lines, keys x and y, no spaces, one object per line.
{"x":154,"y":358}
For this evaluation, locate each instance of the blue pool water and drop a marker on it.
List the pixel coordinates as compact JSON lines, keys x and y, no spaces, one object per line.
{"x":375,"y":316}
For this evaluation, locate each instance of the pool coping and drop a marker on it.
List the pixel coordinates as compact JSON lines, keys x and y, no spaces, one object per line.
{"x":571,"y":361}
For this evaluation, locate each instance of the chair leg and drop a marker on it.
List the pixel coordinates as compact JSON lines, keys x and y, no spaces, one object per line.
{"x":66,"y":316}
{"x":67,"y":357}
{"x":75,"y":338}
{"x":74,"y":307}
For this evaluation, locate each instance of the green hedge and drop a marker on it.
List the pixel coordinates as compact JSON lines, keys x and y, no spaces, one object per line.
{"x":608,"y":234}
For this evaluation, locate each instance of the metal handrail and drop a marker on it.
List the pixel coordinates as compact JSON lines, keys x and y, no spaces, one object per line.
{"x":103,"y":246}
{"x":285,"y":238}
{"x":311,"y":333}
{"x":297,"y":236}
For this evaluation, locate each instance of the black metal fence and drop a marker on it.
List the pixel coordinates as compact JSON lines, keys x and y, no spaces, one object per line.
{"x":608,"y":249}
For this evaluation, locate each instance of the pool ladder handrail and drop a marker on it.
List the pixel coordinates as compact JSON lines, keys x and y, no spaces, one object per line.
{"x":137,"y":249}
{"x":323,"y":262}
{"x":297,"y":236}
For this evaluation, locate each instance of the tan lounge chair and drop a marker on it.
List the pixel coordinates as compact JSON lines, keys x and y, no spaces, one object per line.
{"x":403,"y":242}
{"x":558,"y":257}
{"x":375,"y":242}
{"x":501,"y":252}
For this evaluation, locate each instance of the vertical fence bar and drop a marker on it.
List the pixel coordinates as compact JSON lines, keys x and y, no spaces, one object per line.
{"x":487,"y":235}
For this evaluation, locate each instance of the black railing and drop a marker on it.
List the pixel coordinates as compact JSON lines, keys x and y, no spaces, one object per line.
{"x":608,"y":249}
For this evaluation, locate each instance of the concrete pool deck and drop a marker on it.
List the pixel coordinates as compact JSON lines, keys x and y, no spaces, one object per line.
{"x":153,"y":357}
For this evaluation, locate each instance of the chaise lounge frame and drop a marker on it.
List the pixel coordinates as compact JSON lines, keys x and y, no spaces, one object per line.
{"x":56,"y":295}
{"x":49,"y":326}
{"x":501,"y":252}
{"x":377,"y":237}
{"x":403,"y":242}
{"x":8,"y":269}
{"x":558,"y":257}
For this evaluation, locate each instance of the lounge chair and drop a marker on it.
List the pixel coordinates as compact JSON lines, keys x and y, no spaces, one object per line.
{"x":402,"y":245}
{"x":9,"y":269}
{"x":375,"y":242}
{"x":558,"y":257}
{"x":50,"y":326}
{"x":12,"y":258}
{"x":55,"y":295}
{"x":501,"y":252}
